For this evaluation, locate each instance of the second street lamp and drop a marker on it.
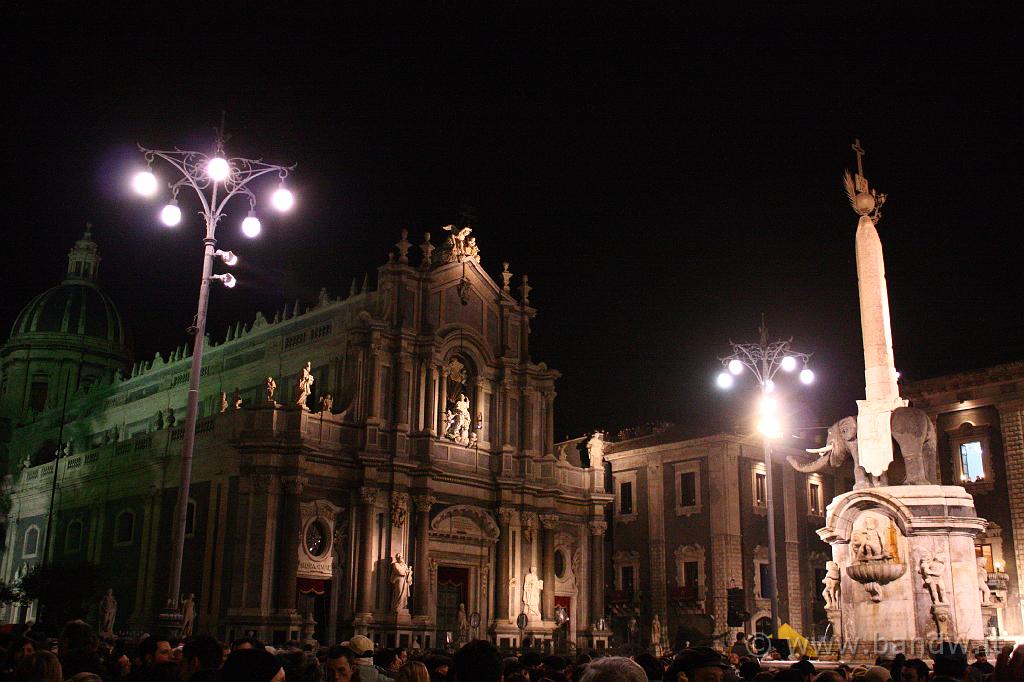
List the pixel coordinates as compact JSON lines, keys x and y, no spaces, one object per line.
{"x":215,"y":179}
{"x":764,"y":360}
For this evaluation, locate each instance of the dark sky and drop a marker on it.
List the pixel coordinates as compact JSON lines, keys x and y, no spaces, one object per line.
{"x":664,"y":179}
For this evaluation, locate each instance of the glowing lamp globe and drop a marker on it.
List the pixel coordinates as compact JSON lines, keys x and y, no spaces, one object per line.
{"x":171,"y":214}
{"x":251,"y":225}
{"x":230,"y":281}
{"x":770,"y":427}
{"x":283,"y":199}
{"x":218,"y":169}
{"x":724,"y":380}
{"x":768,"y":405}
{"x":806,"y":376}
{"x":735,"y":366}
{"x":144,"y":183}
{"x":788,"y":363}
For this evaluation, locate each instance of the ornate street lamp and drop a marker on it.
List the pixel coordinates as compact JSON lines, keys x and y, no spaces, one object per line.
{"x":215,"y":179}
{"x":764,"y":360}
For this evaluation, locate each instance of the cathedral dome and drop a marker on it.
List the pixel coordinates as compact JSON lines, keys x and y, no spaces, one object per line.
{"x":72,"y":308}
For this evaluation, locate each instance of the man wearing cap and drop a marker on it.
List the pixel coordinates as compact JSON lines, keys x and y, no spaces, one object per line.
{"x":981,"y":663}
{"x":699,"y":664}
{"x":362,"y":647}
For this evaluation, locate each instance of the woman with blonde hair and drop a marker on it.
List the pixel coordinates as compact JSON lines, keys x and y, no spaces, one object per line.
{"x":42,"y":666}
{"x":413,"y":671}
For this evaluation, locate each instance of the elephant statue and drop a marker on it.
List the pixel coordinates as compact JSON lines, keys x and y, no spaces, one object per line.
{"x":911,"y":428}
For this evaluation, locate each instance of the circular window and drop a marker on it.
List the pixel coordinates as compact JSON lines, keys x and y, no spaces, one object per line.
{"x":316,"y":539}
{"x":559,"y":564}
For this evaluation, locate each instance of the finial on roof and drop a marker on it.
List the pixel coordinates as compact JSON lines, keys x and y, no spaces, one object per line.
{"x":524,"y":290}
{"x":506,"y":277}
{"x":427,"y":248}
{"x":864,"y":200}
{"x":403,"y":247}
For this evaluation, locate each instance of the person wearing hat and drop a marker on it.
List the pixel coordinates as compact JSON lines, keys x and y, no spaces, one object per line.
{"x":699,"y":664}
{"x":981,"y":663}
{"x":252,"y":665}
{"x":362,"y":647}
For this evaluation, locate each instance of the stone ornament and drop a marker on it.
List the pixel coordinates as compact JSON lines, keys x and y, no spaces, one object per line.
{"x":532,"y":587}
{"x":549,"y":521}
{"x":831,"y":581}
{"x":304,"y":386}
{"x":932,"y":567}
{"x":984,"y":592}
{"x":171,"y":420}
{"x":427,"y":248}
{"x":223,"y":402}
{"x":875,"y":561}
{"x":326,"y":404}
{"x":461,"y":247}
{"x":529,"y":521}
{"x":463,"y":625}
{"x":506,"y":277}
{"x":595,"y":449}
{"x":270,"y":386}
{"x":108,"y":613}
{"x":401,"y":582}
{"x":236,"y":398}
{"x":399,"y":509}
{"x":403,"y":247}
{"x":598,"y":528}
{"x":368,"y":495}
{"x":457,"y":421}
{"x":910,"y":427}
{"x":656,"y":634}
{"x":158,"y":423}
{"x":424,"y":503}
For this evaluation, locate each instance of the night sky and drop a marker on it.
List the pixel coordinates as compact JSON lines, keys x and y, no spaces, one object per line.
{"x":664,"y":179}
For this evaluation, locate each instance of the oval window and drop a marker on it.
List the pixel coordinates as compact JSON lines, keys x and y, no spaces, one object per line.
{"x":559,"y":564}
{"x":316,"y":539}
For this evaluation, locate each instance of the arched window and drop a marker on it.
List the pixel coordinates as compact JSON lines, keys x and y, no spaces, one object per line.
{"x":73,"y":537}
{"x":763,"y":625}
{"x":190,"y":519}
{"x":124,"y":528}
{"x":30,"y":547}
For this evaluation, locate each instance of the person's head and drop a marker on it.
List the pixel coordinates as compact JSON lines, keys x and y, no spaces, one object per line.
{"x":19,"y":648}
{"x":805,"y":667}
{"x":413,"y":671}
{"x":386,"y":659}
{"x":952,"y":662}
{"x":439,"y":665}
{"x":980,"y":655}
{"x":40,"y":666}
{"x":245,"y":643}
{"x":361,"y":646}
{"x":168,"y":671}
{"x":402,"y":654}
{"x":531,"y":659}
{"x":155,"y":649}
{"x":699,"y":664}
{"x":613,"y":669}
{"x":828,"y":676}
{"x":749,"y":668}
{"x":789,"y":675}
{"x":202,"y":653}
{"x":252,"y":665}
{"x":77,"y":634}
{"x":741,"y":636}
{"x":914,"y":670}
{"x":651,"y":665}
{"x":338,"y":665}
{"x":877,"y":673}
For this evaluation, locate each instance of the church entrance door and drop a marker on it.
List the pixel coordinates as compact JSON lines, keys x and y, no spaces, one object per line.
{"x":452,"y":588}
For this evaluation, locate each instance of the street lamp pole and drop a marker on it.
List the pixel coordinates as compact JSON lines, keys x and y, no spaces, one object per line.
{"x":764,"y":360}
{"x":215,"y":180}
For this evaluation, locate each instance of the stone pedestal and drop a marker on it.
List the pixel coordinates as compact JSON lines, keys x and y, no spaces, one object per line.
{"x":909,"y":573}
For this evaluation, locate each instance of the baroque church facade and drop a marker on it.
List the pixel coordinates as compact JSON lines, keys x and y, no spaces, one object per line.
{"x":414,"y":495}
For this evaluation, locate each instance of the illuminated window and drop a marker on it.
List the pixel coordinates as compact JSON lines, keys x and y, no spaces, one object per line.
{"x":815,"y":498}
{"x":985,"y":552}
{"x":972,"y":465}
{"x":760,"y":489}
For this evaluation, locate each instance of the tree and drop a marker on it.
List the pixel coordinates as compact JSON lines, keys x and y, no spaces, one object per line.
{"x":65,"y":590}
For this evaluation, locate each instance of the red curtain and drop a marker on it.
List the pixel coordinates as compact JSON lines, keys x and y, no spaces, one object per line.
{"x":311,"y":586}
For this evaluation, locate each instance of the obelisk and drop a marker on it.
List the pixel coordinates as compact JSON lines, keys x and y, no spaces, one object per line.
{"x":882,"y":394}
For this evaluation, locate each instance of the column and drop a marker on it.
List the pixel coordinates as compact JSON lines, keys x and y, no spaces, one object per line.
{"x":442,"y":400}
{"x":421,"y":570}
{"x":368,"y":498}
{"x":597,"y":530}
{"x":1011,"y":426}
{"x":549,"y":522}
{"x":505,"y":515}
{"x":794,"y":583}
{"x":432,"y":407}
{"x":657,"y":584}
{"x":291,"y":535}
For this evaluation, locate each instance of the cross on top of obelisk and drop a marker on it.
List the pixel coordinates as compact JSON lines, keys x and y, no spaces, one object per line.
{"x":862,"y":182}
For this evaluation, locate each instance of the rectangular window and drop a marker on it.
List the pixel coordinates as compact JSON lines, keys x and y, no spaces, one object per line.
{"x":690,"y":573}
{"x":760,"y":490}
{"x":985,"y":552}
{"x":626,"y":497}
{"x":971,"y":462}
{"x":627,"y":579}
{"x":37,"y":395}
{"x":688,"y":489}
{"x":814,"y":490}
{"x":765,"y":577}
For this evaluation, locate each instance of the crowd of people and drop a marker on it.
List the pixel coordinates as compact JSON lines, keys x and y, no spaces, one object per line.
{"x":77,"y":655}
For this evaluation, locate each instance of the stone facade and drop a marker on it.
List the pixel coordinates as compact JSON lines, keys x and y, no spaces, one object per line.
{"x":436,"y":445}
{"x":982,"y":412}
{"x":693,"y":524}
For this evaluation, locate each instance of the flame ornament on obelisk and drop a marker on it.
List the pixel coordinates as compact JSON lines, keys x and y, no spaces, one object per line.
{"x":882,"y":393}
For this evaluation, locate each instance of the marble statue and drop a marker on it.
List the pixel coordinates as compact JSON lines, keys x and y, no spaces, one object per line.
{"x":304,"y":386}
{"x":932,"y":567}
{"x":401,"y":580}
{"x":563,"y":454}
{"x":867,"y":544}
{"x":236,"y":398}
{"x":171,"y":420}
{"x":326,"y":403}
{"x":271,"y":386}
{"x":159,"y":421}
{"x":984,"y":592}
{"x":460,"y":245}
{"x":595,"y":449}
{"x":910,"y":428}
{"x":656,"y":631}
{"x":532,"y":587}
{"x":831,"y":581}
{"x":463,"y":624}
{"x":223,"y":401}
{"x":108,"y":613}
{"x":188,"y":614}
{"x":458,"y":421}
